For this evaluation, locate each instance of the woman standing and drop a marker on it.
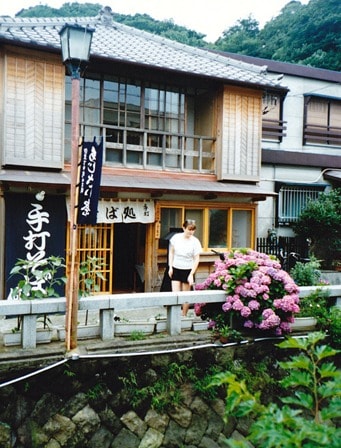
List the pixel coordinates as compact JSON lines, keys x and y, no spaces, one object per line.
{"x":184,"y":253}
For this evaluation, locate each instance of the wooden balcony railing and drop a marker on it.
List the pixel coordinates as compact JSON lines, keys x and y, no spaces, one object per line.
{"x":143,"y":148}
{"x":322,"y":135}
{"x":273,"y":130}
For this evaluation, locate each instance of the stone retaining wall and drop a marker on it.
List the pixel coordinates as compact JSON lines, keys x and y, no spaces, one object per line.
{"x":83,"y":403}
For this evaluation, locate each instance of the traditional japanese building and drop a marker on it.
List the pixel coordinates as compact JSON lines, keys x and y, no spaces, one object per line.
{"x":181,"y":130}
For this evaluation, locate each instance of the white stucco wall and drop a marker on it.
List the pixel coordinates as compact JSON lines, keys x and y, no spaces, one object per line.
{"x":293,"y":114}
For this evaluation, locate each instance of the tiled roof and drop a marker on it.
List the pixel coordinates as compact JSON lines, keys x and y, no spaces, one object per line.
{"x":115,"y":41}
{"x":287,"y":68}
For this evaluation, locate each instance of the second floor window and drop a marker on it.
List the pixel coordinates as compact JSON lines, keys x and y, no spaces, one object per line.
{"x":146,"y":125}
{"x":322,"y":121}
{"x":273,"y":126}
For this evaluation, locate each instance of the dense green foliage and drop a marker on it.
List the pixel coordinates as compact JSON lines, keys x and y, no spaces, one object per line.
{"x":164,"y":28}
{"x":302,"y":34}
{"x":38,"y":279}
{"x":307,"y":274}
{"x":166,"y":389}
{"x":307,"y":416}
{"x":321,"y":222}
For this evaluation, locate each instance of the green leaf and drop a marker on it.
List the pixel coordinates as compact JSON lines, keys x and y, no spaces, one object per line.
{"x":325,"y":351}
{"x":329,"y":389}
{"x":26,"y":289}
{"x":300,"y":399}
{"x":329,"y":370}
{"x":333,"y":410}
{"x":297,"y":378}
{"x":298,"y":362}
{"x":15,"y":270}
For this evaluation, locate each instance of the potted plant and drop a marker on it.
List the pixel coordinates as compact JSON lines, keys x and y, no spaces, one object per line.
{"x":314,"y":312}
{"x":125,"y":327}
{"x":37,"y":280}
{"x":225,"y":334}
{"x":259,"y":294}
{"x":314,"y":308}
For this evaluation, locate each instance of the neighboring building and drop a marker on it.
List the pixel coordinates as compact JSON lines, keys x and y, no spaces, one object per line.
{"x":301,"y":141}
{"x":182,"y":132}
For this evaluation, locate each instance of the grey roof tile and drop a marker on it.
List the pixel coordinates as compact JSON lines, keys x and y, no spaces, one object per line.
{"x":120,"y":42}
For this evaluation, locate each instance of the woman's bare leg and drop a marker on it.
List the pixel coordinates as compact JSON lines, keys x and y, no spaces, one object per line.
{"x":185,"y":306}
{"x":176,"y":285}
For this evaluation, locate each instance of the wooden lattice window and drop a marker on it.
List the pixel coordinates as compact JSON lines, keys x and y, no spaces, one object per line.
{"x":96,"y":241}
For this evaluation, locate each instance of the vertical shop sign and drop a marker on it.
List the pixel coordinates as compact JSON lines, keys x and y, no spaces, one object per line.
{"x":89,"y":182}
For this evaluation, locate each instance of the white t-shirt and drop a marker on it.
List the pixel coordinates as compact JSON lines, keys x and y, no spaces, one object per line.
{"x":185,"y":249}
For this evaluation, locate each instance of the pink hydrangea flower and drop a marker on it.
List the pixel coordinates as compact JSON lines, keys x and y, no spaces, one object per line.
{"x":257,"y":290}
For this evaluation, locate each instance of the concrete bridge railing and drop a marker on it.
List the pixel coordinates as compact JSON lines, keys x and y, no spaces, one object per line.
{"x":107,"y":305}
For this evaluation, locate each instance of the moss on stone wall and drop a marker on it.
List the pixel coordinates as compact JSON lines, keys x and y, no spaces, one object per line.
{"x":138,"y":401}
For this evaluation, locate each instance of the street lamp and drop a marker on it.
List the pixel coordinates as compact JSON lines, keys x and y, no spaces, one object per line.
{"x":75,"y":42}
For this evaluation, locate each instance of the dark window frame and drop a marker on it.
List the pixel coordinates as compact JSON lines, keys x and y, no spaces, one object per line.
{"x":324,"y":133}
{"x":273,"y":125}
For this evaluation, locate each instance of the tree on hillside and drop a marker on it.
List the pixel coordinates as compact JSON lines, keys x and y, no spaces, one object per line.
{"x":165,"y":28}
{"x":66,"y":10}
{"x":300,"y":34}
{"x":305,"y":34}
{"x":241,"y":38}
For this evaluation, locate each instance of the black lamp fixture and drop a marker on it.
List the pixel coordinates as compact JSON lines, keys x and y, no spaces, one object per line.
{"x":75,"y":41}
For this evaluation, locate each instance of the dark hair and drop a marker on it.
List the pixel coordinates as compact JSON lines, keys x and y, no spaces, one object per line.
{"x":189,"y":222}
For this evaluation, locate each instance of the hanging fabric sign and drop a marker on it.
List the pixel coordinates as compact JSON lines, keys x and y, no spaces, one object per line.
{"x":34,"y":230}
{"x":126,"y":211}
{"x":89,"y":182}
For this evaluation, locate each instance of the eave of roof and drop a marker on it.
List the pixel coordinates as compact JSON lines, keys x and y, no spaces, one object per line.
{"x":130,"y":45}
{"x":333,"y":175}
{"x":153,"y":183}
{"x":299,"y":158}
{"x":287,"y":68}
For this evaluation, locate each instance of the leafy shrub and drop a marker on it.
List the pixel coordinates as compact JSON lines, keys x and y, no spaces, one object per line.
{"x":307,"y":274}
{"x":320,"y":221}
{"x":307,"y":417}
{"x":165,"y":392}
{"x":38,"y":279}
{"x":334,"y":327}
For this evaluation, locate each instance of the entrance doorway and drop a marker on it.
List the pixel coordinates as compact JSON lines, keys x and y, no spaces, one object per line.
{"x":129,"y":254}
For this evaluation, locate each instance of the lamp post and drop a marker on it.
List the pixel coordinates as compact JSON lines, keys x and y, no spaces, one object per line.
{"x":75,"y":43}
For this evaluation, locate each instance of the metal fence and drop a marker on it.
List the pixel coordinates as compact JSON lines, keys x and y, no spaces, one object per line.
{"x":287,"y":249}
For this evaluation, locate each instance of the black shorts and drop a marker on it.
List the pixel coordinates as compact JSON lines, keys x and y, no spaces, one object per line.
{"x":181,"y":275}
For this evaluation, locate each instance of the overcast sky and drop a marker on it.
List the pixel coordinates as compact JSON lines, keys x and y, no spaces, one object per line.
{"x":210,"y":17}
